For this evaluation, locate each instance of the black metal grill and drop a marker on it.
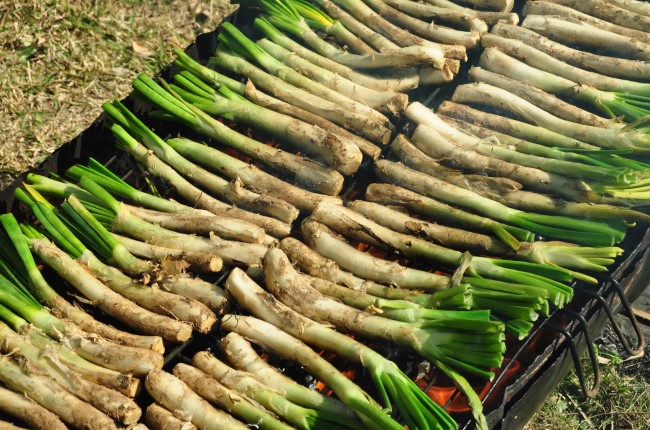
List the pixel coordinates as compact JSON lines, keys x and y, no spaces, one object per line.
{"x":533,"y":367}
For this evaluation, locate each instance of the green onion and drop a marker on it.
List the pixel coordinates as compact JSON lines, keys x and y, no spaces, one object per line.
{"x":306,"y":172}
{"x":246,"y":384}
{"x":573,"y":230}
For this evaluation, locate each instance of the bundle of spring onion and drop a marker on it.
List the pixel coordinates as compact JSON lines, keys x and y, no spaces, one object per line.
{"x":67,"y":369}
{"x":394,"y":387}
{"x":305,"y":171}
{"x":363,"y":105}
{"x":634,"y":137}
{"x":517,"y":305}
{"x":109,"y":401}
{"x":342,"y":155}
{"x":532,"y":164}
{"x":281,"y":212}
{"x":301,"y":18}
{"x":527,"y":56}
{"x":620,"y":13}
{"x":178,"y":303}
{"x":575,"y":230}
{"x":326,"y":121}
{"x":19,"y":263}
{"x":430,"y":158}
{"x":117,"y":217}
{"x":182,"y":217}
{"x":520,"y":298}
{"x":556,"y":9}
{"x":433,"y":9}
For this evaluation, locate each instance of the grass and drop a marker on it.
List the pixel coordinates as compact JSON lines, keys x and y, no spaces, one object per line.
{"x":60,"y":60}
{"x":623,"y":401}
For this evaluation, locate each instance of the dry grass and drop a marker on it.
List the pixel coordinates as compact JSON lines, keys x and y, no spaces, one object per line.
{"x":623,"y":401}
{"x":60,"y":60}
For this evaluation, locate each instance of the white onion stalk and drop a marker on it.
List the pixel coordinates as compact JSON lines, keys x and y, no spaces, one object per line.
{"x":231,"y":252}
{"x":637,"y":140}
{"x":283,"y":281}
{"x":289,"y":347}
{"x":365,"y":146}
{"x":369,"y":128}
{"x":218,"y":186}
{"x":28,"y":411}
{"x":428,"y":31}
{"x":169,"y":257}
{"x":239,"y":43}
{"x":609,"y":12}
{"x":116,"y":355}
{"x":544,"y":100}
{"x":381,"y":84}
{"x":248,"y":90}
{"x":562,"y":78}
{"x":576,"y":33}
{"x":334,"y":150}
{"x":51,"y":395}
{"x":159,"y":418}
{"x":554,"y":253}
{"x":270,"y":398}
{"x":106,"y":299}
{"x":439,"y":140}
{"x":100,"y":240}
{"x":110,"y":402}
{"x":376,"y":40}
{"x":548,"y":8}
{"x":476,"y":127}
{"x":216,"y":393}
{"x":319,"y":268}
{"x":610,"y":66}
{"x":421,"y":204}
{"x":427,"y":139}
{"x":225,"y":226}
{"x":574,"y":230}
{"x":242,"y":356}
{"x":174,"y":107}
{"x":362,"y":264}
{"x":249,"y":174}
{"x":285,"y":15}
{"x":400,"y":33}
{"x":202,"y":224}
{"x":121,"y":382}
{"x":74,"y":342}
{"x":388,"y":102}
{"x":636,"y":6}
{"x":501,"y":189}
{"x":358,"y":227}
{"x":514,"y":128}
{"x":423,"y":10}
{"x":176,"y":395}
{"x":189,"y":191}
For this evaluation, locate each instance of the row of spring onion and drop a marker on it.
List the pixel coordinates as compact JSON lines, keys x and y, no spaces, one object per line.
{"x":485,"y":293}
